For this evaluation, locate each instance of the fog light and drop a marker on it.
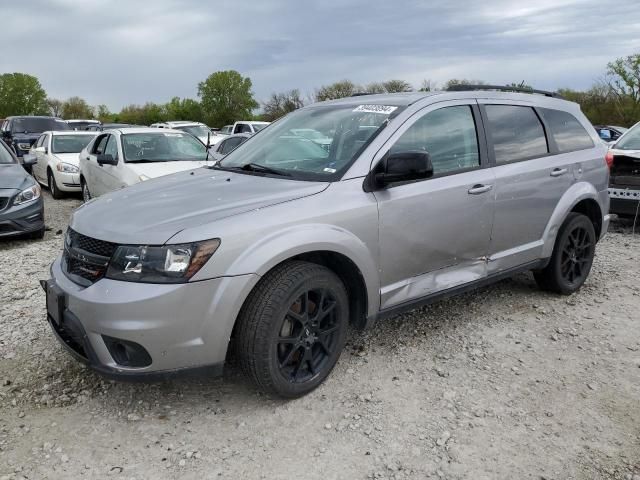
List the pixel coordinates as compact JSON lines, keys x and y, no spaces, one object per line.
{"x":127,"y":353}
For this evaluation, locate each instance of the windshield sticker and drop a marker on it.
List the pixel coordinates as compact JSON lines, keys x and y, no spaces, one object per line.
{"x":172,"y":134}
{"x":329,"y":170}
{"x":383,"y":109}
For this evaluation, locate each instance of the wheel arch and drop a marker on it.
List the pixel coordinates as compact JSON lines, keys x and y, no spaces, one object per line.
{"x":582,"y":198}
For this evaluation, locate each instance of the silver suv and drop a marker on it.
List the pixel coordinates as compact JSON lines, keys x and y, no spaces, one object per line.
{"x":282,"y":244}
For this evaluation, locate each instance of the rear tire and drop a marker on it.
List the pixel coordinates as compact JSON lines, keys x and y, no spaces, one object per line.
{"x":572,"y":256}
{"x":292,"y":328}
{"x":53,"y":186}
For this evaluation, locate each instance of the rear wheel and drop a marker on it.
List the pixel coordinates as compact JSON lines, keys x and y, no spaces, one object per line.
{"x":53,"y":186}
{"x":86,"y":194}
{"x":293,"y":328}
{"x":572,"y":256}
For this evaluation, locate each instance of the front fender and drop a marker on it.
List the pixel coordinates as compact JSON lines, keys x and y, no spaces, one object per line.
{"x":273,"y":249}
{"x":575,"y":194}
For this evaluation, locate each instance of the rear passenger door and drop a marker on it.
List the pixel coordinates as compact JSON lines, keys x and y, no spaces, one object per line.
{"x":531,"y":177}
{"x":434,"y":233}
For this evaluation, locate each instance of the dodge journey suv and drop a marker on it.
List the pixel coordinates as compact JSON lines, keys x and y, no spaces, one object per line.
{"x":281,"y":245}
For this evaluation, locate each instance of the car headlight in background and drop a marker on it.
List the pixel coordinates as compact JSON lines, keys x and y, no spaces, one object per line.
{"x":27,"y":195}
{"x":67,"y":168}
{"x":165,"y":264}
{"x":24,"y":146}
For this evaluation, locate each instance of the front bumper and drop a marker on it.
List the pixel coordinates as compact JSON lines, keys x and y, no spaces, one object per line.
{"x":68,"y":182}
{"x":624,"y":201}
{"x":21,"y":219}
{"x":182,"y":327}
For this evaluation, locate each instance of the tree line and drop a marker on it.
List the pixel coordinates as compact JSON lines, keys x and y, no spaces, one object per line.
{"x":227,"y":96}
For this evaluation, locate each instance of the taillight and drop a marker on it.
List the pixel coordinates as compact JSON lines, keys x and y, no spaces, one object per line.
{"x":609,"y":159}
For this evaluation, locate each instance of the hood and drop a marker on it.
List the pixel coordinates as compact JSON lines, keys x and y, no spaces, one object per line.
{"x":626,"y":153}
{"x":12,"y":176}
{"x":159,"y":169}
{"x":70,"y":158}
{"x":152,"y":212}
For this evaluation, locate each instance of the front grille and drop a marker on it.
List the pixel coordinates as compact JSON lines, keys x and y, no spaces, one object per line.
{"x":3,"y":202}
{"x":85,"y":259}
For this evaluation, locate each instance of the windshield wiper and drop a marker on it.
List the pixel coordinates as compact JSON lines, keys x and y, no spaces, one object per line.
{"x":256,"y":167}
{"x":143,"y":160}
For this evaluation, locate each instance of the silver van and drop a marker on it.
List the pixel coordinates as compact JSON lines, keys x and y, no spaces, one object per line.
{"x":283,"y":243}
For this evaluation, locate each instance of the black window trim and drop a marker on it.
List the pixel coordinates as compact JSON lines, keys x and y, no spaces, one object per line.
{"x":96,"y":142}
{"x":480,"y":137}
{"x":551,"y":146}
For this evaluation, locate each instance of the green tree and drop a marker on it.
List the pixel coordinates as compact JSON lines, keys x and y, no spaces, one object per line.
{"x":226,"y":97}
{"x":623,"y":78}
{"x":375,"y":87}
{"x":341,"y":89}
{"x":184,"y":109}
{"x":22,"y":94}
{"x":396,"y":86}
{"x":279,"y":104}
{"x":143,"y":114}
{"x":76,"y":107}
{"x":461,"y":81}
{"x":55,"y":107}
{"x":427,"y":85}
{"x":103,"y":114}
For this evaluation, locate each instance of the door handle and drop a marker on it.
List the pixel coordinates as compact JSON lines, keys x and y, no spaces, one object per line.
{"x":478,"y":189}
{"x":89,"y":158}
{"x":556,"y":172}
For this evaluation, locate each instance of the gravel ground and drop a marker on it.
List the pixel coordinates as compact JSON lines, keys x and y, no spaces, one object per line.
{"x":506,"y":382}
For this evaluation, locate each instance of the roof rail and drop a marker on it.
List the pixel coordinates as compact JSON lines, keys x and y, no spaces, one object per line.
{"x":360,"y":94}
{"x":501,"y":88}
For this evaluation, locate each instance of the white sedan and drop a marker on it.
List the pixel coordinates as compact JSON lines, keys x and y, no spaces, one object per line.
{"x":121,"y":157}
{"x":57,"y":162}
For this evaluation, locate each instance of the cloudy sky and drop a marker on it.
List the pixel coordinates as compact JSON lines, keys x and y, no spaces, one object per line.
{"x":118,"y":52}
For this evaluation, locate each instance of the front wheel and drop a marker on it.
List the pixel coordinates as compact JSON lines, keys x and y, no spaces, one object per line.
{"x":86,"y":194}
{"x":293,"y":328}
{"x":53,"y":186}
{"x":572,"y":256}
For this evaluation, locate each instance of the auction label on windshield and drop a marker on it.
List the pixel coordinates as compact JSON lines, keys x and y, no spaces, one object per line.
{"x":383,"y":109}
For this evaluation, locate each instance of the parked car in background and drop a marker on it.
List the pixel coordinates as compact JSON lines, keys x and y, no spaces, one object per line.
{"x":21,"y":205}
{"x":314,"y":135}
{"x":197,"y":129}
{"x":82,"y":124}
{"x":109,"y":126}
{"x":122,"y":157}
{"x":281,"y":245}
{"x":226,"y":145}
{"x":226,"y":130}
{"x":248,"y":127}
{"x":623,"y":158}
{"x":57,"y":163}
{"x":19,"y":133}
{"x":609,"y":133}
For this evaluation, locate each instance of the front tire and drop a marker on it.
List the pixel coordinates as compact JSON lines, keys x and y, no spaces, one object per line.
{"x":572,"y":256}
{"x":292,"y":328}
{"x":86,"y":194}
{"x":53,"y":186}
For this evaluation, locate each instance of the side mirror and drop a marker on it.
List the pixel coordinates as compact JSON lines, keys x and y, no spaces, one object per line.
{"x":29,"y":159}
{"x":106,"y":159}
{"x":401,"y":167}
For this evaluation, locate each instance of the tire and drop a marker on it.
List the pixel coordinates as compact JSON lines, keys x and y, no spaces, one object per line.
{"x":284,"y":342}
{"x":53,"y":186}
{"x":86,"y":194}
{"x":38,"y":234}
{"x":572,"y":256}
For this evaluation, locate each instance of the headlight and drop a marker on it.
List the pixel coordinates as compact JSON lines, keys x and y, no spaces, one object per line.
{"x":67,"y":168}
{"x":27,"y":195}
{"x":165,"y":264}
{"x":24,"y":146}
{"x":143,"y":178}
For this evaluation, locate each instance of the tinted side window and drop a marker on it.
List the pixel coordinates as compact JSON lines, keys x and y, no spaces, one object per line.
{"x":98,"y":146}
{"x":112,"y":147}
{"x":448,"y":134}
{"x":566,"y":130}
{"x":516,"y":132}
{"x":231,"y":144}
{"x":40,"y":141}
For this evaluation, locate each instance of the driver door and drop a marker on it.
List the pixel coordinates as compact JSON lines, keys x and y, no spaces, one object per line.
{"x":93,"y":172}
{"x":434,"y":233}
{"x":111,"y":176}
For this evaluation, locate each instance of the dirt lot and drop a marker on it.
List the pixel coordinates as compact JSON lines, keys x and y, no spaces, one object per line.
{"x":506,"y":382}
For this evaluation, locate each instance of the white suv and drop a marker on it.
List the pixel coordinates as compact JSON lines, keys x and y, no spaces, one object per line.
{"x":197,"y":129}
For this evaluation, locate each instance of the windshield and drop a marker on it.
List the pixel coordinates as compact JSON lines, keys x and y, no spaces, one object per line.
{"x":347,"y":130}
{"x":38,"y":125}
{"x":162,"y":147}
{"x":630,"y":140}
{"x":259,"y":126}
{"x":75,"y":125}
{"x":5,"y":156}
{"x":197,"y":130}
{"x":69,"y":143}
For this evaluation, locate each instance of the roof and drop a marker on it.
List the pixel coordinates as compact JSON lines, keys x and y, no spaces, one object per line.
{"x":127,"y":131}
{"x":71,"y":132}
{"x":82,"y":120}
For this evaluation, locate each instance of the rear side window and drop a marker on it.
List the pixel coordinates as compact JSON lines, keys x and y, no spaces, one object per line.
{"x":566,"y":130}
{"x":516,"y":132}
{"x":448,"y":134}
